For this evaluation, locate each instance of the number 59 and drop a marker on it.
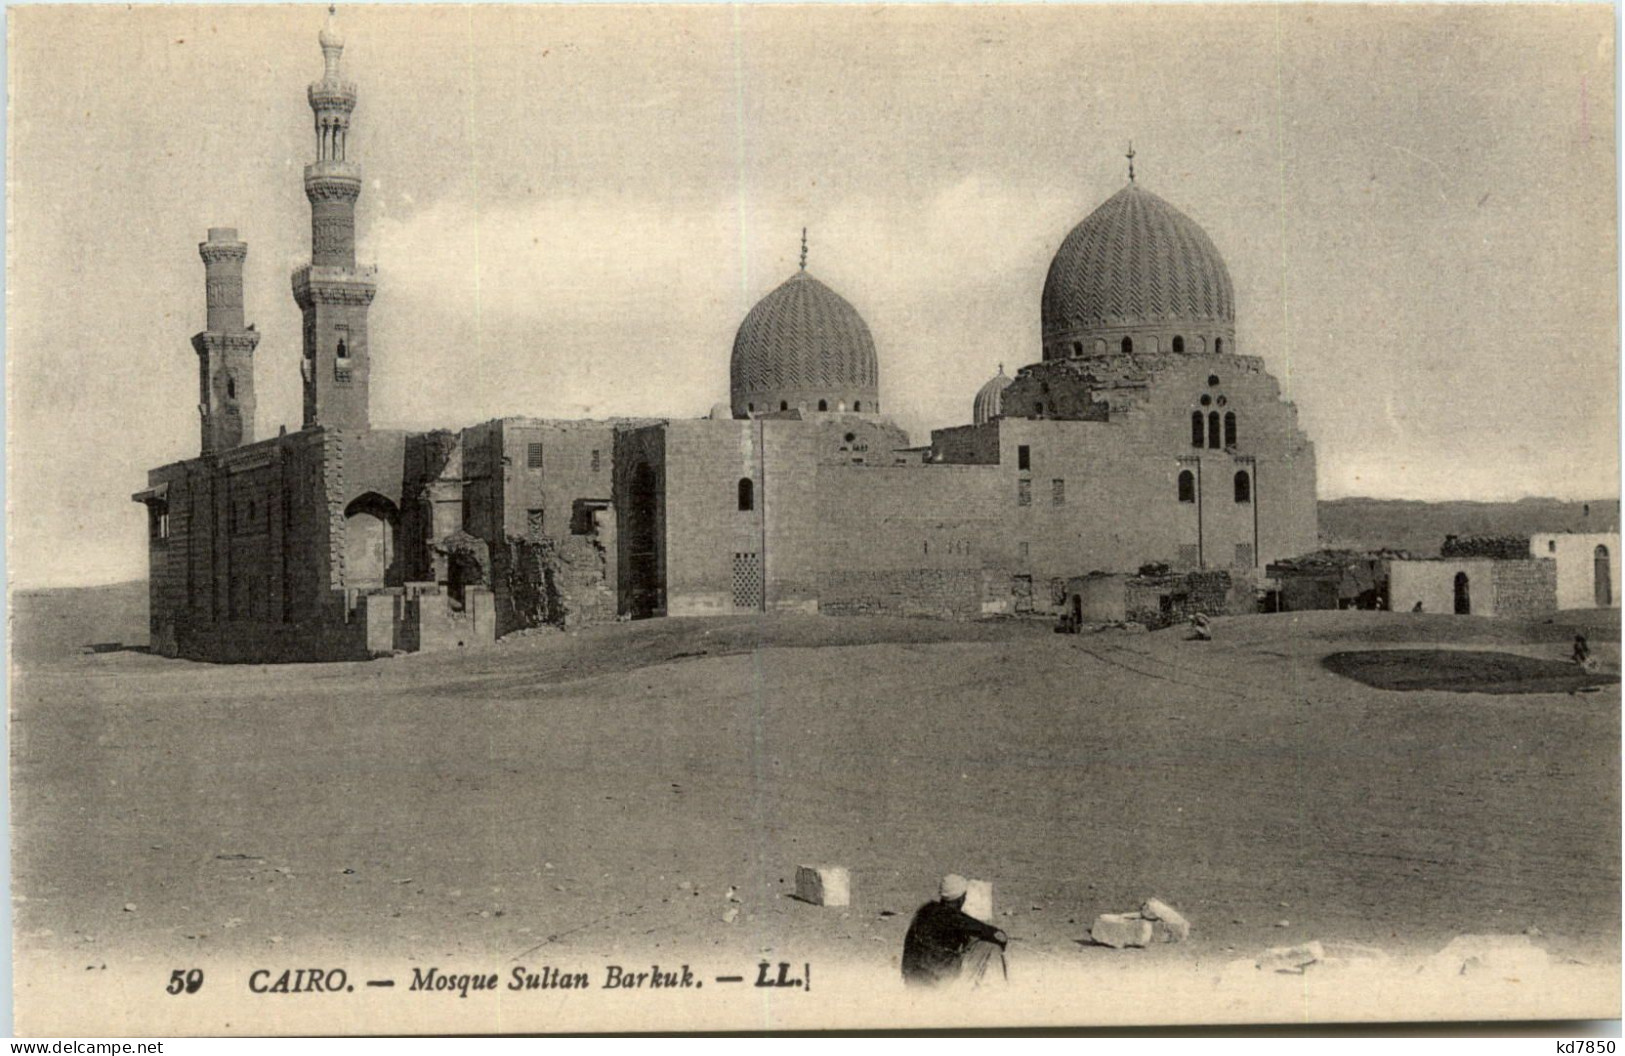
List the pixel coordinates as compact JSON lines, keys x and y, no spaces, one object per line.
{"x":185,"y":981}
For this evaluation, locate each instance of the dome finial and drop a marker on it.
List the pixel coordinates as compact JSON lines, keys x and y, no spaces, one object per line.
{"x":804,"y":249}
{"x":1130,"y":157}
{"x":331,"y":39}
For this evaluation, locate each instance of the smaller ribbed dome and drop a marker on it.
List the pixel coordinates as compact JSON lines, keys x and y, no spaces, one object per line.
{"x":803,"y":346}
{"x":990,"y":398}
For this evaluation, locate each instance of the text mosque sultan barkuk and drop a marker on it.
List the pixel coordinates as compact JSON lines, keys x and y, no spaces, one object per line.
{"x":1145,"y":467}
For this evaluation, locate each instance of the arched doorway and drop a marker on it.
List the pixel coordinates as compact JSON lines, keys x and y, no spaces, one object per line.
{"x":371,"y":523}
{"x":1464,"y":601}
{"x":1603,"y":579}
{"x":643,"y":543}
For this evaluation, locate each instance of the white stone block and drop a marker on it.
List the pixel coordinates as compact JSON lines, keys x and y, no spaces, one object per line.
{"x":1167,"y":925}
{"x":979,"y":900}
{"x":824,"y":885}
{"x":1118,"y":930}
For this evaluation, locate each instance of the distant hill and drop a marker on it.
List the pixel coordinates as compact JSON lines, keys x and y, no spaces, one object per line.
{"x":1420,"y":527}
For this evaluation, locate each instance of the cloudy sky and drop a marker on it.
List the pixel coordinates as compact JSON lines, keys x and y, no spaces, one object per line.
{"x":572,"y":208}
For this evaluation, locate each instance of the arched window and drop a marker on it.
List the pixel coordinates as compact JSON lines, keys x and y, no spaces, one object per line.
{"x":1229,"y":428}
{"x":1244,"y":487}
{"x":1213,"y":429}
{"x":1464,"y":596}
{"x":857,"y":405}
{"x":823,"y":405}
{"x":1128,"y":345}
{"x":1218,"y":346}
{"x":1038,"y":409}
{"x":1197,"y":436}
{"x":1100,"y":346}
{"x":231,"y":387}
{"x":1077,"y":348}
{"x":1187,"y":486}
{"x":1602,"y":585}
{"x":1179,"y":343}
{"x":344,"y":350}
{"x":747,"y":493}
{"x":1199,"y":345}
{"x":784,"y":405}
{"x":750,"y":408}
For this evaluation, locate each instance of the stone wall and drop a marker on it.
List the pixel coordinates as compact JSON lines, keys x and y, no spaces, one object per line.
{"x":942,"y":593}
{"x":1525,"y":589}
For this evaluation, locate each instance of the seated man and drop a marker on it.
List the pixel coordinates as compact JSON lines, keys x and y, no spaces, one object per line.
{"x":945,"y":944}
{"x":1582,"y":654}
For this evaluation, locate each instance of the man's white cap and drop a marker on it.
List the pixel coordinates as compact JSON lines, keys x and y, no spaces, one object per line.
{"x":953,"y":886}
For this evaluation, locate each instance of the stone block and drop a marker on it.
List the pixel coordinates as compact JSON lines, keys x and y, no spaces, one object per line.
{"x":1118,"y":930}
{"x":979,"y":900}
{"x":824,"y":885}
{"x":1167,"y":925}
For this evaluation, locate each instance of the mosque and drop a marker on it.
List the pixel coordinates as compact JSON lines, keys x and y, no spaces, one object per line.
{"x":1145,"y":460}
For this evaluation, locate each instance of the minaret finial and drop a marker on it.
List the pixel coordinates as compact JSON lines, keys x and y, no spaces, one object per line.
{"x":804,"y":249}
{"x":1130,"y":157}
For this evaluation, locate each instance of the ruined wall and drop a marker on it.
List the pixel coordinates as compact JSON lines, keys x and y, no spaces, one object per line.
{"x":1160,"y":601}
{"x":540,"y":492}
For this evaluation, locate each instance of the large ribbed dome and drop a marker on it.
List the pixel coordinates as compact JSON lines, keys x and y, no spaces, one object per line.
{"x":803,"y":347}
{"x":989,"y":402}
{"x":1136,"y":261}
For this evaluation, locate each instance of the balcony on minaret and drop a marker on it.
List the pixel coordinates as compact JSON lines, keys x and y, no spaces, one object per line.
{"x":353,"y":285}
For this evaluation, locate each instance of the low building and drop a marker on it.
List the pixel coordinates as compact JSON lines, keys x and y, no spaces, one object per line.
{"x":1587,"y":573}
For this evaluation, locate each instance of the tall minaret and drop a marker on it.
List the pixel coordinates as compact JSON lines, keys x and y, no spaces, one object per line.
{"x":225,"y":349}
{"x":331,"y":291}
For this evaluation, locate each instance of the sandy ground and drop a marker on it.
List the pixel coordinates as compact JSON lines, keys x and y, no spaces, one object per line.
{"x":587,"y":799}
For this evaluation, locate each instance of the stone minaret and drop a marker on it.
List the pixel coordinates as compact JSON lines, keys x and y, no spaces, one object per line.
{"x":331,"y":291}
{"x":225,"y":349}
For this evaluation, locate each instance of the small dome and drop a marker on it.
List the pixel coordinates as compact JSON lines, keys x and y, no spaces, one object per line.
{"x":990,"y":397}
{"x":1136,"y":261}
{"x":803,"y":346}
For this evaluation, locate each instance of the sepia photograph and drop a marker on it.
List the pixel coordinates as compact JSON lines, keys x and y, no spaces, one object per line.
{"x":553,"y":518}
